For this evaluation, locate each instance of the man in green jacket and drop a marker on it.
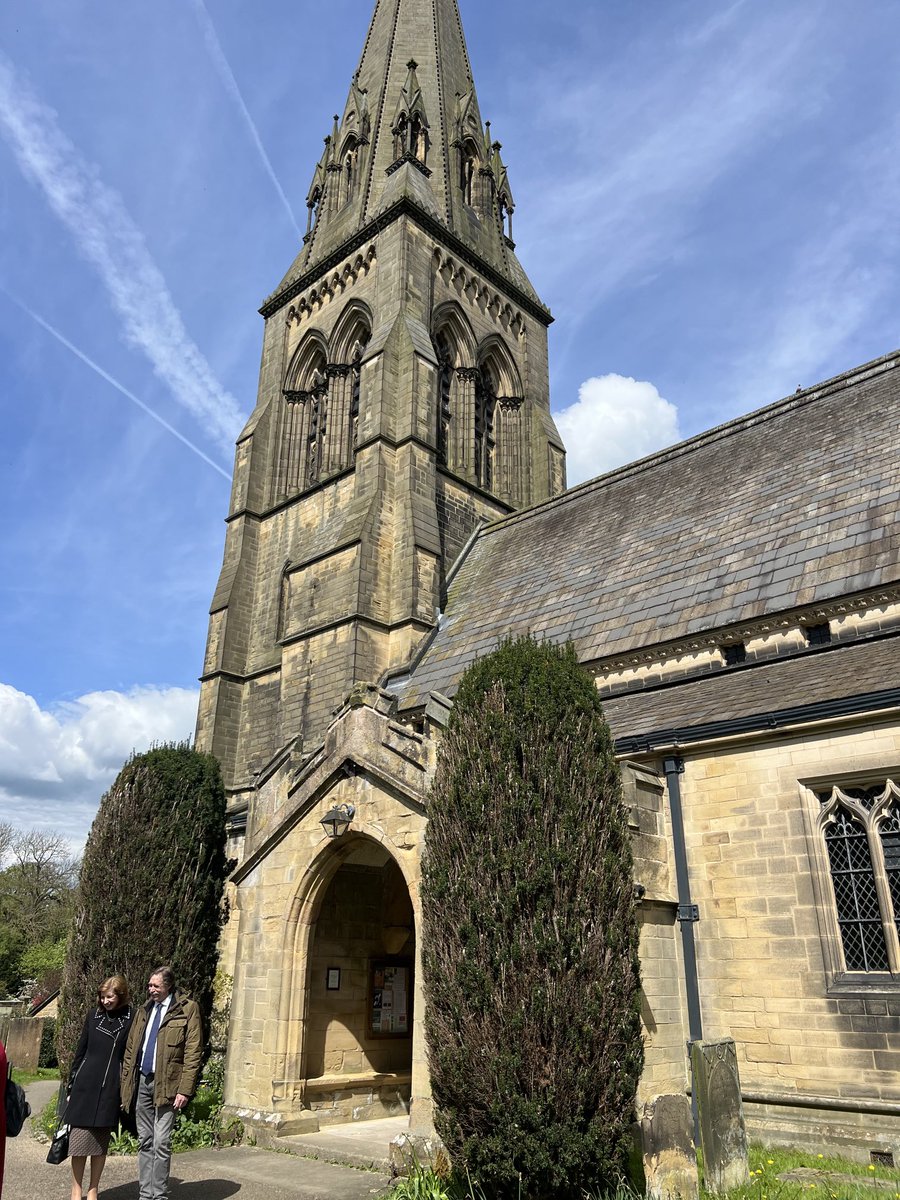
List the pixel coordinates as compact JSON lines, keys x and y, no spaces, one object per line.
{"x":161,"y":1069}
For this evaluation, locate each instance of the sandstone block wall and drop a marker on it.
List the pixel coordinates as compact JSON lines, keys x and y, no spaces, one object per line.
{"x":767,"y":924}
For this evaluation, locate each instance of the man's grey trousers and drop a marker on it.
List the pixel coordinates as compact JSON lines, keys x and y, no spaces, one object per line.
{"x":154,"y":1126}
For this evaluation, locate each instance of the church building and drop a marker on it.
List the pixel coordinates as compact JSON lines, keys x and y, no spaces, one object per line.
{"x":399,"y":506}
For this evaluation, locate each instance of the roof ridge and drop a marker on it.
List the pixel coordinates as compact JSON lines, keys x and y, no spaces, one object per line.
{"x":799,"y":399}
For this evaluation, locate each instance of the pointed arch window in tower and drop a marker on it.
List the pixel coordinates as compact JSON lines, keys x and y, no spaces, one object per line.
{"x":318,"y":428}
{"x":303,"y":420}
{"x":355,"y":378}
{"x":348,"y":343}
{"x":485,"y":405}
{"x":445,"y":411}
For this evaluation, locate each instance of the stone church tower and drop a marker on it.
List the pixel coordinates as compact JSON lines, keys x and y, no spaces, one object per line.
{"x":403,"y":400}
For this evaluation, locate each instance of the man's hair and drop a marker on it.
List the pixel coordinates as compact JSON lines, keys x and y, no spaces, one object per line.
{"x":168,"y":976}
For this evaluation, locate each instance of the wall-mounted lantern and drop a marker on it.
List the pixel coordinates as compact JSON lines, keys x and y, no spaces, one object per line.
{"x":337,"y":820}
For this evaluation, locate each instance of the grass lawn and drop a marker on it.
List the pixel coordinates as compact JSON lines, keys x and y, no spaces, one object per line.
{"x":26,"y":1077}
{"x":814,"y":1175}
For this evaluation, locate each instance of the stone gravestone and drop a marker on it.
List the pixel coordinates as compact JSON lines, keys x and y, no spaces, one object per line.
{"x":723,"y":1137}
{"x":670,"y":1160}
{"x":23,"y":1042}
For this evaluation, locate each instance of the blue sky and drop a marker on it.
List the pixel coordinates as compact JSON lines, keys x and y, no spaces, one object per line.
{"x":706,"y":198}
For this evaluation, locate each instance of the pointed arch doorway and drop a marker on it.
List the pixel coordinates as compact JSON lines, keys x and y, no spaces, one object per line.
{"x":359,"y":989}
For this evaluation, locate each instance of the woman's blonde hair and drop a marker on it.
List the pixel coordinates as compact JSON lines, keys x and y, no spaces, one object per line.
{"x":117,"y":984}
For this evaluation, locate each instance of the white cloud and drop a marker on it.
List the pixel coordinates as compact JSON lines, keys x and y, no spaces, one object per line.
{"x":108,"y":238}
{"x":615,"y":420}
{"x":56,"y":763}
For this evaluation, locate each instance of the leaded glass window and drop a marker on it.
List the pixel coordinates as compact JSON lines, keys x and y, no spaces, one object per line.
{"x":861,"y":829}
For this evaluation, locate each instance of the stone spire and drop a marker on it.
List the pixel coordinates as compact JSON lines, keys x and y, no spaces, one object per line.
{"x":412,"y":131}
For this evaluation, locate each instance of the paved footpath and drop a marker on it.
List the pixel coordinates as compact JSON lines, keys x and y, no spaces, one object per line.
{"x":241,"y":1171}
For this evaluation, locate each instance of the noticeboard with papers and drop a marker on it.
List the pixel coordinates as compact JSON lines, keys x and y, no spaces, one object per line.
{"x":390,"y":997}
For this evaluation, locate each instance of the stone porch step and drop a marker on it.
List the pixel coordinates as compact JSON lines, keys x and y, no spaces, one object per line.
{"x":357,"y":1144}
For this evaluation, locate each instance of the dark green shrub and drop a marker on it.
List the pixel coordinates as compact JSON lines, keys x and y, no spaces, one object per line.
{"x":150,"y":889}
{"x":47,"y":1056}
{"x":530,"y":937}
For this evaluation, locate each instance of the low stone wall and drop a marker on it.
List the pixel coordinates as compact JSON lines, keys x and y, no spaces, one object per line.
{"x":337,"y":1103}
{"x":854,"y":1131}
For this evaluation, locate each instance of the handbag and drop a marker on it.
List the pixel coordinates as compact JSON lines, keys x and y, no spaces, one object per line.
{"x":18,"y":1110}
{"x":59,"y":1147}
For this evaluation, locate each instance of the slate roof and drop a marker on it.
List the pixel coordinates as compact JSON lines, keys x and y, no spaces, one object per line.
{"x":840,"y":672}
{"x":793,"y":505}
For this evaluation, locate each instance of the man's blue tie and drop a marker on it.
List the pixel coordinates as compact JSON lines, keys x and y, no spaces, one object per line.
{"x":149,"y":1059}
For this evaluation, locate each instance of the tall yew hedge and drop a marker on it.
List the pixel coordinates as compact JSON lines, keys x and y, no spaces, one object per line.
{"x":530,"y":947}
{"x":150,"y":889}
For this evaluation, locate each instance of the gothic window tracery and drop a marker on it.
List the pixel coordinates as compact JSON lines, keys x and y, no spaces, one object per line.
{"x":479,"y":408}
{"x":319,"y":421}
{"x":860,"y":828}
{"x":354,"y":394}
{"x":317,"y":428}
{"x":499,"y":432}
{"x":455,"y":351}
{"x":347,"y":348}
{"x":445,"y":387}
{"x":303,"y":419}
{"x":485,"y":403}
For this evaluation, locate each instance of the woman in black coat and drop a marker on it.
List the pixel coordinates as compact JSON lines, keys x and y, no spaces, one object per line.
{"x":92,"y":1107}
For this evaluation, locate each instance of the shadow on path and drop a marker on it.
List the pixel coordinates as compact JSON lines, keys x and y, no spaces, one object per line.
{"x":204,"y":1189}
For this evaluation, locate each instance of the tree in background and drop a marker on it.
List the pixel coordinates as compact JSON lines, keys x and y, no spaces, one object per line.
{"x":37,"y":883}
{"x":530,"y":938}
{"x":151,"y":883}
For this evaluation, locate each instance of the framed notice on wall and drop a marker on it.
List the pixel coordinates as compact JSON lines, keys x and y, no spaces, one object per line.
{"x":390,"y":997}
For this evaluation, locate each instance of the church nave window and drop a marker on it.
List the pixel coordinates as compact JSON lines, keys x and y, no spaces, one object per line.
{"x":860,"y":828}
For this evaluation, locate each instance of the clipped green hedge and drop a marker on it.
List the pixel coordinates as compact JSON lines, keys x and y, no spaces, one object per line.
{"x":151,"y":884}
{"x":530,"y":946}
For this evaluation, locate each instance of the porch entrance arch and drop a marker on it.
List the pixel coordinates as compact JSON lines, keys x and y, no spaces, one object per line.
{"x":359,"y":989}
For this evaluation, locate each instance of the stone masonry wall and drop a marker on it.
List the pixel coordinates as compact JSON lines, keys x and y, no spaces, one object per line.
{"x":763,"y":934}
